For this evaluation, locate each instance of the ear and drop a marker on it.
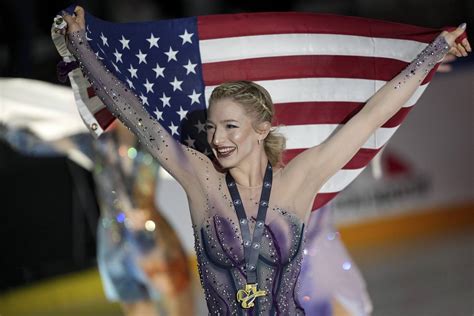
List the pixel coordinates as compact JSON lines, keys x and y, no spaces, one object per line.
{"x":263,"y":129}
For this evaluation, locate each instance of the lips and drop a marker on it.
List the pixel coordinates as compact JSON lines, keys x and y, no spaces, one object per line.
{"x":224,"y":152}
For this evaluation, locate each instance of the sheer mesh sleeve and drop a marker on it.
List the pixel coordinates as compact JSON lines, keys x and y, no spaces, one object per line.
{"x":423,"y":63}
{"x":180,"y":161}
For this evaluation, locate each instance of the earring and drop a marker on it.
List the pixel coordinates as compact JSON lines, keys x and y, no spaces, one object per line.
{"x":258,"y":141}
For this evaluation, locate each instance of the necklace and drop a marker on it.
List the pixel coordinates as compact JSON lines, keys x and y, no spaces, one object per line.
{"x":247,"y":296}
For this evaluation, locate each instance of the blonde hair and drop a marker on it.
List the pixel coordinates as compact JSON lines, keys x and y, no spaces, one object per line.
{"x":258,"y":103}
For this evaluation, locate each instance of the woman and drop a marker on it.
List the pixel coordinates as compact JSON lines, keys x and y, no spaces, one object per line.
{"x":141,"y":261}
{"x":250,"y":259}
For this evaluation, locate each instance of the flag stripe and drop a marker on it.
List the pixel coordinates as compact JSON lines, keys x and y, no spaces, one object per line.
{"x":340,"y":180}
{"x":258,"y":46}
{"x":360,"y":159}
{"x":219,"y":26}
{"x":322,"y":198}
{"x":323,"y":89}
{"x":316,"y":66}
{"x":320,"y":132}
{"x":326,"y":113}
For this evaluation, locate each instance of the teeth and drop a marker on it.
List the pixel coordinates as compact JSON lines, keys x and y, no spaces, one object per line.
{"x":225,"y":150}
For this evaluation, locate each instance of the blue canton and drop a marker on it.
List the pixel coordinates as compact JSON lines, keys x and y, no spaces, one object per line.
{"x":160,"y":62}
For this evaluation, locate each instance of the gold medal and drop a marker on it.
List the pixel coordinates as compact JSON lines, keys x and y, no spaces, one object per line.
{"x":246,"y":297}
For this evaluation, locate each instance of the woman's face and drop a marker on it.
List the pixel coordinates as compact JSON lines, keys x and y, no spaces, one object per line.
{"x":230,"y":133}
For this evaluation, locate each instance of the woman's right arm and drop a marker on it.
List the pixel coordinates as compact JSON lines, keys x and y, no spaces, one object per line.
{"x":181,"y":162}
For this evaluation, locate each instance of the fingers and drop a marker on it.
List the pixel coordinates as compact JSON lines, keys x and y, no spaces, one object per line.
{"x":459,"y":30}
{"x":462,"y":50}
{"x":79,"y":11}
{"x":466,"y":44}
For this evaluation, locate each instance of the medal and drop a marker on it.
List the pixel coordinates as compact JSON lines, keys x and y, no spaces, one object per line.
{"x":247,"y":296}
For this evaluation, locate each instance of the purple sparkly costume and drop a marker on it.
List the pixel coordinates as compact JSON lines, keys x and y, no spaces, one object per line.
{"x":218,"y":239}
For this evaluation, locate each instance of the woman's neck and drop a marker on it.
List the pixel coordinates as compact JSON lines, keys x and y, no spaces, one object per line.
{"x":250,"y":174}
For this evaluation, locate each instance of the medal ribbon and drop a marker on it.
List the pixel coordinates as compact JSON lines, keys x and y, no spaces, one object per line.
{"x":251,"y":244}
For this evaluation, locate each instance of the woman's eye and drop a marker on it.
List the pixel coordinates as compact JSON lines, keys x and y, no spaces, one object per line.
{"x":208,"y":127}
{"x":231,"y":126}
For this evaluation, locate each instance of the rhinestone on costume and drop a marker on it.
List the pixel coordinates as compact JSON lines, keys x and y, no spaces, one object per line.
{"x":264,"y":203}
{"x":260,"y":224}
{"x":267,"y":184}
{"x":237,"y":202}
{"x":251,"y":267}
{"x":247,"y":243}
{"x":243,"y":221}
{"x":94,"y":126}
{"x":256,"y":245}
{"x":231,"y":184}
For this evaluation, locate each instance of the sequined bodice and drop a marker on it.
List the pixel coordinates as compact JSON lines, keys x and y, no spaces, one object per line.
{"x":221,"y":261}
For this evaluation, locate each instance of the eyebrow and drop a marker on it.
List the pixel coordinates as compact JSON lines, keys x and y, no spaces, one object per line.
{"x":224,"y":121}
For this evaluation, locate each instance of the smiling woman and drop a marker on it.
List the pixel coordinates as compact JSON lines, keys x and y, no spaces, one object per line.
{"x":255,"y":102}
{"x":249,"y":252}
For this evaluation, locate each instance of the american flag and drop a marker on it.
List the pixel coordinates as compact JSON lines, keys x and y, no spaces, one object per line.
{"x":320,"y":70}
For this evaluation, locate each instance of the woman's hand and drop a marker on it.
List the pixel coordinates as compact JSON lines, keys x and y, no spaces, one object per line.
{"x":458,"y":49}
{"x":75,"y":22}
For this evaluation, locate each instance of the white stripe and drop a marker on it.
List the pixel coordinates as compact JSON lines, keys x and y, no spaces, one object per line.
{"x":340,"y":180}
{"x":305,"y":136}
{"x":323,"y":90}
{"x":257,"y":46}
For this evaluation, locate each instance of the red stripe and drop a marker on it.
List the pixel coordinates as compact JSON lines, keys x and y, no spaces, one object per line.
{"x":360,"y":159}
{"x":231,"y":25}
{"x":90,"y":92}
{"x":104,"y":118}
{"x":321,"y":199}
{"x":316,"y":66}
{"x":304,"y":113}
{"x":290,"y":67}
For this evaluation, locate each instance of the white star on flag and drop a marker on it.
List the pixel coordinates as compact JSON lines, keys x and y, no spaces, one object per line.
{"x":141,"y":57}
{"x":130,"y":84}
{"x":182,"y":113}
{"x":149,"y":86}
{"x":171,"y":54}
{"x":190,"y":67}
{"x":194,"y":97}
{"x":97,"y":54}
{"x":144,"y":99}
{"x":176,"y":84}
{"x":133,"y":71}
{"x":159,"y":114}
{"x":200,"y":126}
{"x":104,"y":39}
{"x":159,"y":71}
{"x":165,"y":100}
{"x":124,"y":42}
{"x":116,"y":68}
{"x":153,"y":40}
{"x":186,"y":37}
{"x":118,"y":56}
{"x":174,"y":129}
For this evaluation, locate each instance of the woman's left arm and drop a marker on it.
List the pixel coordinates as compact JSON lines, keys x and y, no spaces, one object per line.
{"x":319,"y":163}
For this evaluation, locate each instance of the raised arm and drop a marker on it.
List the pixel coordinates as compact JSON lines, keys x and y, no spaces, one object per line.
{"x":316,"y":165}
{"x":180,"y":161}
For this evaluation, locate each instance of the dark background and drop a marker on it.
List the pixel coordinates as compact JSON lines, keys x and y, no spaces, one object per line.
{"x":48,"y":211}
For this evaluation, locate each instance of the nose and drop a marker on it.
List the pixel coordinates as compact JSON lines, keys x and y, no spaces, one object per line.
{"x":217,"y":137}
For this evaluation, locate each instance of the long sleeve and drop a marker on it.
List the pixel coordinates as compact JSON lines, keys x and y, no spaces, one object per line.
{"x":177,"y":159}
